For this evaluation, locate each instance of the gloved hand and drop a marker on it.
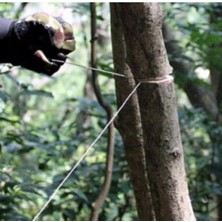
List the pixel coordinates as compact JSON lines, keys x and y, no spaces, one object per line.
{"x":34,"y":41}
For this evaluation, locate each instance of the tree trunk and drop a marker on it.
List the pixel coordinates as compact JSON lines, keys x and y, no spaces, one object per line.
{"x":147,"y":59}
{"x":129,"y":121}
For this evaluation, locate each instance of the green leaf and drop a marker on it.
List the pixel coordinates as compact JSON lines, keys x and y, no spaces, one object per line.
{"x":80,"y":194}
{"x":100,"y":17}
{"x":3,"y":96}
{"x":9,"y":120}
{"x":37,"y":93}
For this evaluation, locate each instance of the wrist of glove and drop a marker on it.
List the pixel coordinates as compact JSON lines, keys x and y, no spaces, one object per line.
{"x":34,"y":41}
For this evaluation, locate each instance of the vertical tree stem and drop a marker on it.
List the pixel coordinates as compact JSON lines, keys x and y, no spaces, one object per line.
{"x":147,"y":58}
{"x":129,"y":121}
{"x":97,"y":205}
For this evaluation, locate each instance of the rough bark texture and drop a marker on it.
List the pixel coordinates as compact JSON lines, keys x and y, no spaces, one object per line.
{"x":146,"y":53}
{"x":147,"y":59}
{"x":129,"y":121}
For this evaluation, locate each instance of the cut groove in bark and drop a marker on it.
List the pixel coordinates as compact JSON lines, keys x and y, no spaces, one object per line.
{"x":147,"y":58}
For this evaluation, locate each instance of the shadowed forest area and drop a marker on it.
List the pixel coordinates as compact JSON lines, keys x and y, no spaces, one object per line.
{"x":47,"y":123}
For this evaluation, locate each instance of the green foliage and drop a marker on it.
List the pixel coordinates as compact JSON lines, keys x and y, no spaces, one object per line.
{"x":5,"y":9}
{"x":198,"y":32}
{"x":47,"y":123}
{"x":202,"y":160}
{"x":39,"y":144}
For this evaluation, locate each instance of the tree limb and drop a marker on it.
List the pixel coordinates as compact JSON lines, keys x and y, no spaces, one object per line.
{"x":96,"y":206}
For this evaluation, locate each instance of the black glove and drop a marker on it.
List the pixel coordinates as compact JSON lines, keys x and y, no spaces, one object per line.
{"x":34,"y":41}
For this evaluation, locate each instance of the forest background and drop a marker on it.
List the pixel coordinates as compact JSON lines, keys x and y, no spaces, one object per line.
{"x":47,"y":123}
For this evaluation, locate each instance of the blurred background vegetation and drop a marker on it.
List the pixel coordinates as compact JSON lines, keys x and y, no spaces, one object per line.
{"x":47,"y":123}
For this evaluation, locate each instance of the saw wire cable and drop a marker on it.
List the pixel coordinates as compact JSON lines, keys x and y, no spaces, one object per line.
{"x":88,"y":67}
{"x":86,"y":152}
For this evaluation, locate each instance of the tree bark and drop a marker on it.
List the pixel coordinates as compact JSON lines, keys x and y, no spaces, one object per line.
{"x":147,"y":59}
{"x":129,"y":121}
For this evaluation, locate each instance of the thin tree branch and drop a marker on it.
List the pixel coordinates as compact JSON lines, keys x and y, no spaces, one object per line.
{"x":97,"y":205}
{"x":20,"y":9}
